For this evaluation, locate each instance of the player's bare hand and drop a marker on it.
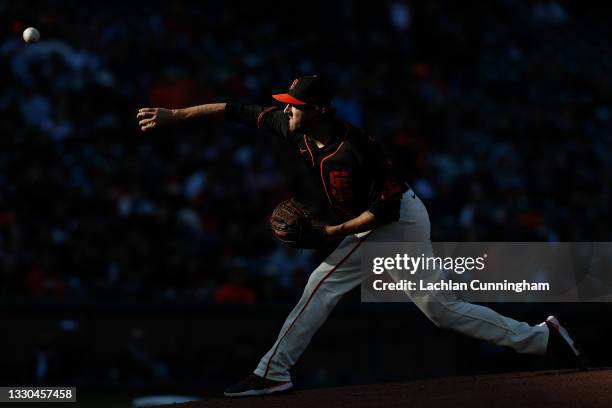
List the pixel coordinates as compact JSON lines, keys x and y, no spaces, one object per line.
{"x":150,"y":118}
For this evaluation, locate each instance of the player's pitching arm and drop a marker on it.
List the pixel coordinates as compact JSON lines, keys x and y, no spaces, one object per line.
{"x":150,"y":118}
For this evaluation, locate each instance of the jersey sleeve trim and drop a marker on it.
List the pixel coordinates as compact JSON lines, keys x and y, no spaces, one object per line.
{"x":309,"y":150}
{"x":262,"y":114}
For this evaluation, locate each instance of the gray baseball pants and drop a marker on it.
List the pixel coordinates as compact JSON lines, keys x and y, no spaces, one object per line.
{"x":341,"y":272}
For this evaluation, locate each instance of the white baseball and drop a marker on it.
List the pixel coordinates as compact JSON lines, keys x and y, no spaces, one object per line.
{"x":31,"y":35}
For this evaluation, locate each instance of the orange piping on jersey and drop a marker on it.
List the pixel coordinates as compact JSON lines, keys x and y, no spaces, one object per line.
{"x":261,"y":115}
{"x":309,"y":151}
{"x":327,"y":157}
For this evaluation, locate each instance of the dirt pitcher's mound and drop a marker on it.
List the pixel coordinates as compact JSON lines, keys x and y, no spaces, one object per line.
{"x":537,"y":389}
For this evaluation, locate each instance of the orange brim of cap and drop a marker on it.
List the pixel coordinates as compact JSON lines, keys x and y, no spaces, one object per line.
{"x":286,"y":98}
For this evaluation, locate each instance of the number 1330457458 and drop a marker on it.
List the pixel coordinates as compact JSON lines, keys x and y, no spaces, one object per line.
{"x":49,"y":394}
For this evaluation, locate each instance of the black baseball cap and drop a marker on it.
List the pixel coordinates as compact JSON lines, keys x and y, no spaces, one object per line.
{"x":310,"y":89}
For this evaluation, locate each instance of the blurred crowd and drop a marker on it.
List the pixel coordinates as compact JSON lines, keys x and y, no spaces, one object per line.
{"x":498,"y":115}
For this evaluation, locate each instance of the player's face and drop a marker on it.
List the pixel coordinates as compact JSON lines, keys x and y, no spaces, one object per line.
{"x":300,"y":118}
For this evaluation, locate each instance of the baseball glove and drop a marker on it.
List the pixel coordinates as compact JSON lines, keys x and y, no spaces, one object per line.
{"x":293,"y":225}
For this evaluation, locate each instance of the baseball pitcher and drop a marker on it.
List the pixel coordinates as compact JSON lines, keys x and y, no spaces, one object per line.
{"x":370,"y":201}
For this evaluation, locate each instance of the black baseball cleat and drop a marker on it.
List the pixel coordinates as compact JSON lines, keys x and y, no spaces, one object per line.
{"x":255,"y":385}
{"x":562,"y":345}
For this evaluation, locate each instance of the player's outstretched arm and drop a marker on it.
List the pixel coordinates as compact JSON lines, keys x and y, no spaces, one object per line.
{"x":150,"y":118}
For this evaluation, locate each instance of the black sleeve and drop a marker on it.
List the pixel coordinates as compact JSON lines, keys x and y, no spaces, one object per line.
{"x":388,"y":188}
{"x":270,"y":119}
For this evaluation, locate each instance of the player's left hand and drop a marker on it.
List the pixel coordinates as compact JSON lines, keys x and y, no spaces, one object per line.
{"x":293,"y":224}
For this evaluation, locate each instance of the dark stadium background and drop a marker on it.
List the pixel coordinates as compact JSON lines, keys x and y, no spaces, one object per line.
{"x":133,"y":263}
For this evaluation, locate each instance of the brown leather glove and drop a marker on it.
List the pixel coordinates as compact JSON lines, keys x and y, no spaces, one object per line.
{"x":293,"y":225}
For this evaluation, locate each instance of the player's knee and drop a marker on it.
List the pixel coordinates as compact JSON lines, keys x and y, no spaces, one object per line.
{"x":317,"y":291}
{"x":438,"y":313}
{"x":314,"y":281}
{"x":437,"y":319}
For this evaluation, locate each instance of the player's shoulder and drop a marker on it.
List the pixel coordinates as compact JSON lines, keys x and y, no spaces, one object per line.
{"x":273,"y":111}
{"x":357,"y":136}
{"x":273,"y":118}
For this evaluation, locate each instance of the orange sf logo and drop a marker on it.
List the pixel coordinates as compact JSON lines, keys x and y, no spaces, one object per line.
{"x":293,"y":84}
{"x":341,"y":185}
